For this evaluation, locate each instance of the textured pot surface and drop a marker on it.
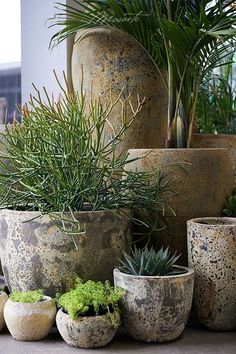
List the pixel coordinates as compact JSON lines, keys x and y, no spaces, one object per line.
{"x":112,"y":60}
{"x":3,"y":300}
{"x":156,"y":309}
{"x":85,"y":332}
{"x":202,"y":179}
{"x":217,"y":141}
{"x":36,"y":254}
{"x":212,"y":254}
{"x":30,"y":321}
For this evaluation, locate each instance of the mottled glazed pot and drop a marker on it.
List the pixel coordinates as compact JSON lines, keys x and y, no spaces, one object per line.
{"x":85,"y":332}
{"x":201,"y":180}
{"x":30,"y":321}
{"x":217,"y":141}
{"x":156,"y":309}
{"x":3,"y":300}
{"x":212,"y":254}
{"x":111,"y":60}
{"x":36,"y":254}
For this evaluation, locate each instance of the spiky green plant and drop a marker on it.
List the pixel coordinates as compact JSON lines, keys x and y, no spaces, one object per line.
{"x":27,"y":296}
{"x":186,"y":38}
{"x":148,"y":262}
{"x":61,"y":160}
{"x":92,"y":299}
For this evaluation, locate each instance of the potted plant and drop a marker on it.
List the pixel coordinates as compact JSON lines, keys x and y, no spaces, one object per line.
{"x":212,"y":248}
{"x":62,"y":194}
{"x":89,"y":314}
{"x":3,"y":300}
{"x":158,"y":298}
{"x":29,"y":315}
{"x":185,"y":40}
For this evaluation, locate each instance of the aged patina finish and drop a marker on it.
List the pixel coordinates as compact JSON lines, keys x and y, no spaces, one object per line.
{"x":37,"y":254}
{"x":212,"y":254}
{"x":156,"y":308}
{"x":3,"y":300}
{"x":86,"y":332}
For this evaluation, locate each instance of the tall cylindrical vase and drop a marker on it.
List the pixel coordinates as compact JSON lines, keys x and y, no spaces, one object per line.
{"x":212,"y":254}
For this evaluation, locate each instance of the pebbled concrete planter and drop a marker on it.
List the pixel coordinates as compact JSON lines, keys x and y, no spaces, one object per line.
{"x":36,"y":254}
{"x":155,"y":309}
{"x":3,"y":300}
{"x":112,"y":59}
{"x":212,"y":254}
{"x":30,"y":321}
{"x":217,"y":141}
{"x":203,"y":181}
{"x":85,"y":332}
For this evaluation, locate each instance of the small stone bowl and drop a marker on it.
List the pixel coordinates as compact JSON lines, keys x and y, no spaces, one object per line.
{"x":86,"y":332}
{"x":30,"y":321}
{"x":3,"y":300}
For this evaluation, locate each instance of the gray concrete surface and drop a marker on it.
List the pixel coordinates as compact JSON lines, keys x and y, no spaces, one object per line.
{"x":195,"y":340}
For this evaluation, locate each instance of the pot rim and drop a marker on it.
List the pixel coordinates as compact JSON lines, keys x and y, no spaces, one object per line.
{"x":220,"y":219}
{"x":2,"y":292}
{"x":188,"y":272}
{"x":178,"y":149}
{"x":45,"y":300}
{"x":79,"y":318}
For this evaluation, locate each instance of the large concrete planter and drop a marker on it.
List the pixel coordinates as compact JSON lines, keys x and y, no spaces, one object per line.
{"x":3,"y":300}
{"x":85,"y":332}
{"x":202,"y":179}
{"x":217,"y":141}
{"x":30,"y":321}
{"x":156,"y":309}
{"x":212,"y":250}
{"x":36,"y":254}
{"x":111,"y":59}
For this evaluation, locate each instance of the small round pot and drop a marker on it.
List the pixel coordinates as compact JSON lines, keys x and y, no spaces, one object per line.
{"x":3,"y":300}
{"x":212,"y":250}
{"x":156,"y":308}
{"x":85,"y":332}
{"x":30,"y":321}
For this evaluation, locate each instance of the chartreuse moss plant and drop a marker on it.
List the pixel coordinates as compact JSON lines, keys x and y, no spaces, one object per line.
{"x":148,"y":262}
{"x":92,"y":299}
{"x":27,"y":296}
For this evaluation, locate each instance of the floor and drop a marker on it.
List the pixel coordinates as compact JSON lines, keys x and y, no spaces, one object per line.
{"x":195,"y":340}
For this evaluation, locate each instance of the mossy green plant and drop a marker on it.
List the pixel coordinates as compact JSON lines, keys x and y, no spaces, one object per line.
{"x":27,"y":296}
{"x":92,"y":299}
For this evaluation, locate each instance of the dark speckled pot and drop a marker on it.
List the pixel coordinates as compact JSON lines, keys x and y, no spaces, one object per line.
{"x":212,"y":253}
{"x":156,"y":309}
{"x":35,"y":253}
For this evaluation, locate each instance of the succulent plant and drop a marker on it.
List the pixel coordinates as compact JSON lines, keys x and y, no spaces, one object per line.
{"x":148,"y":262}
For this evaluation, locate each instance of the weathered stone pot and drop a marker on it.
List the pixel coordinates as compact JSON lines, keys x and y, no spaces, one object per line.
{"x":36,"y":254}
{"x":156,"y":309}
{"x":111,"y":59}
{"x":85,"y":332}
{"x":202,"y":179}
{"x":217,"y":141}
{"x":3,"y":300}
{"x":212,"y":254}
{"x":30,"y":321}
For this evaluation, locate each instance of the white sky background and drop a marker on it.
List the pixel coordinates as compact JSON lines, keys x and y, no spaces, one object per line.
{"x":10,"y":31}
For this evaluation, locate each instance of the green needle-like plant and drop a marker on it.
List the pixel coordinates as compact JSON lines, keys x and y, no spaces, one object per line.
{"x":61,"y":160}
{"x":27,"y":296}
{"x":92,"y":299}
{"x":148,"y":262}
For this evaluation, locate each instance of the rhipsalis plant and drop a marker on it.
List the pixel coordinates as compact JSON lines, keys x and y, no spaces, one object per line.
{"x":148,"y":262}
{"x":61,"y":160}
{"x":92,"y":299}
{"x":185,"y":38}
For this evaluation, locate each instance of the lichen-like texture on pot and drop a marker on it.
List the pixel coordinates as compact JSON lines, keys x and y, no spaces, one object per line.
{"x":36,"y":254}
{"x":30,"y":321}
{"x":3,"y":300}
{"x":156,"y":308}
{"x":212,"y":254}
{"x":86,"y":332}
